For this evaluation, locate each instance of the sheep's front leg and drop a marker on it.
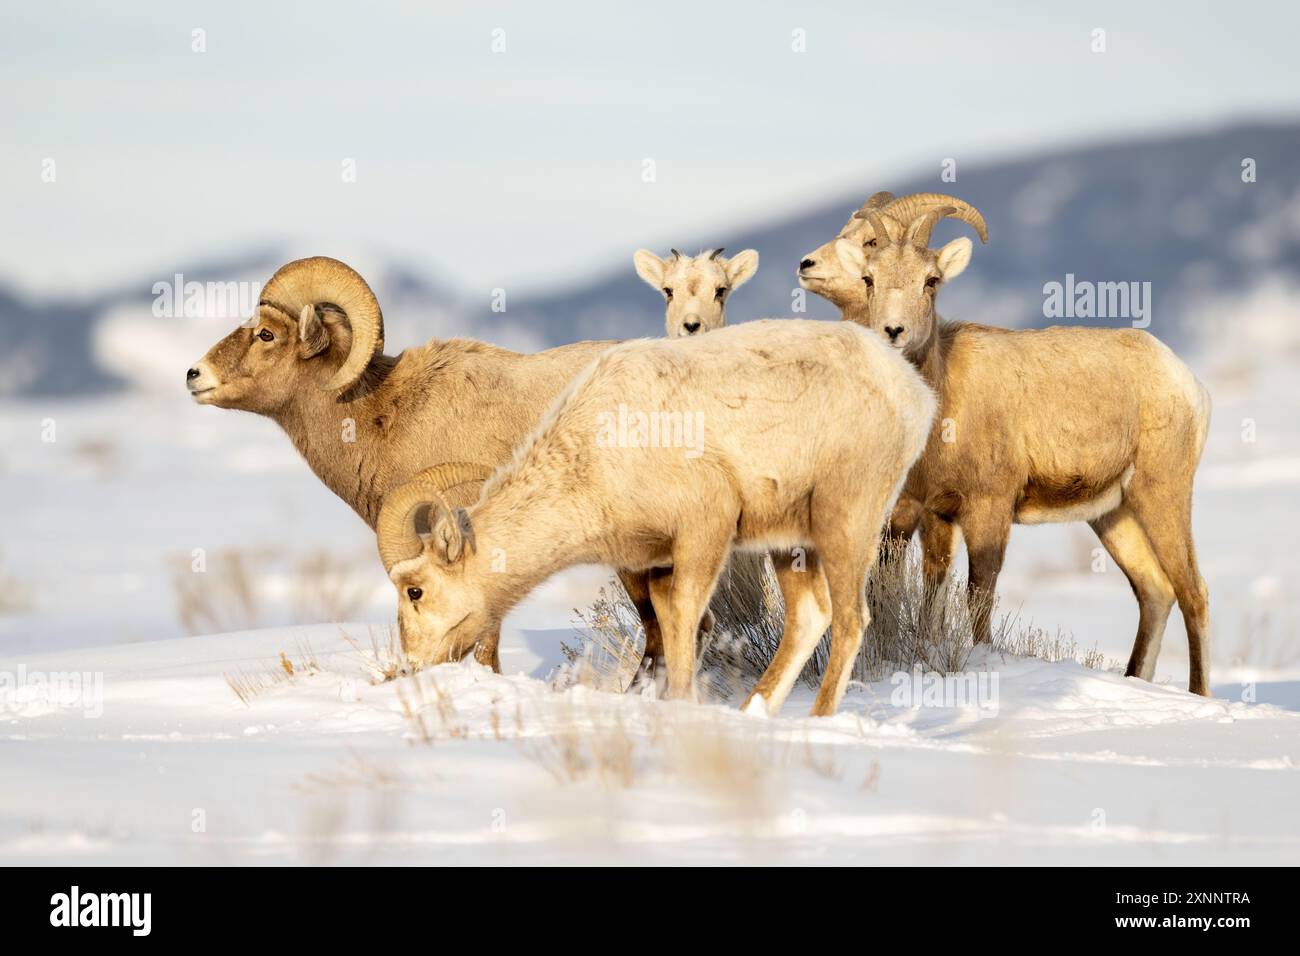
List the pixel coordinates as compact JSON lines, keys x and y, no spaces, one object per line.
{"x":488,"y":650}
{"x":986,"y":526}
{"x":680,"y":597}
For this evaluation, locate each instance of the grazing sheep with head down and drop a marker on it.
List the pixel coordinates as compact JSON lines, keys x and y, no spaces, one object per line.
{"x":695,"y":289}
{"x":782,"y":435}
{"x":312,"y":359}
{"x":1053,"y":425}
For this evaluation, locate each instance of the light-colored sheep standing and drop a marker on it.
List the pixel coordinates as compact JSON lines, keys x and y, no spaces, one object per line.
{"x":1054,"y":425}
{"x":809,"y":429}
{"x":695,"y":288}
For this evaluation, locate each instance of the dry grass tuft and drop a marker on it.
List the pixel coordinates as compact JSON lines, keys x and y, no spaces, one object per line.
{"x":386,"y":659}
{"x":429,"y":710}
{"x":584,"y":744}
{"x":237,"y":588}
{"x":221,"y":598}
{"x":908,"y":628}
{"x":14,"y":594}
{"x":324,"y":588}
{"x":741,"y":766}
{"x":250,"y":684}
{"x":1032,"y":641}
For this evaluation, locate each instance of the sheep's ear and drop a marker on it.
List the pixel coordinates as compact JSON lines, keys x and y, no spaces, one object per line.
{"x":452,"y":532}
{"x":741,"y":267}
{"x":313,"y":337}
{"x":954,"y":258}
{"x":649,"y":267}
{"x":851,"y":256}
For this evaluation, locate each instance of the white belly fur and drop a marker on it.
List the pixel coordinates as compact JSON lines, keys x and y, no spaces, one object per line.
{"x":1089,"y":510}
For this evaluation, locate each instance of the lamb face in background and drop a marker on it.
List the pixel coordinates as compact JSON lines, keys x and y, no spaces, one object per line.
{"x":695,"y":289}
{"x":808,"y":430}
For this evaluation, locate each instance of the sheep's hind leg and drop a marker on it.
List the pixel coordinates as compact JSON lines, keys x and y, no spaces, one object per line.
{"x":807,"y":615}
{"x":1126,"y":542}
{"x":637,"y":586}
{"x":1165,"y":512}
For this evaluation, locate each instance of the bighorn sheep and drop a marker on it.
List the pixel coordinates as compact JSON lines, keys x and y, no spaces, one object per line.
{"x":311,"y":358}
{"x":1054,"y":425}
{"x":662,"y":456}
{"x":821,"y":272}
{"x":695,"y":289}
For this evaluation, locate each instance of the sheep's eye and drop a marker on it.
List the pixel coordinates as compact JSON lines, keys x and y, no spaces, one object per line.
{"x":414,"y":593}
{"x":722,"y":290}
{"x":668,"y":292}
{"x":266,"y":335}
{"x":870,"y":282}
{"x":932,"y":282}
{"x":869,"y":243}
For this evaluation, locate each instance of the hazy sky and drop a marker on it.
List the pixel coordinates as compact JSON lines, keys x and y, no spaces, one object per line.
{"x":526,"y":166}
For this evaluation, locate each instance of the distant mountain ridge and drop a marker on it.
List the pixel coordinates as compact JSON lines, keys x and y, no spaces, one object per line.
{"x":1172,"y":211}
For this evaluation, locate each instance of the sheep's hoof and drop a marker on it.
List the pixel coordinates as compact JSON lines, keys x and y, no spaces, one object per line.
{"x":648,"y":677}
{"x":490,"y":656}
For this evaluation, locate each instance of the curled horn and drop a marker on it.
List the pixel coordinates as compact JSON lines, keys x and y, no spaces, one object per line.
{"x":877,"y":201}
{"x":877,"y":220}
{"x":918,"y":233}
{"x":907,"y":208}
{"x":717,"y":252}
{"x":321,"y":280}
{"x":395,"y":529}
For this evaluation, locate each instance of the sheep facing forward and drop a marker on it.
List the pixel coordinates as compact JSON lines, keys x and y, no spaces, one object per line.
{"x":809,"y":430}
{"x":1050,"y":425}
{"x":695,"y":288}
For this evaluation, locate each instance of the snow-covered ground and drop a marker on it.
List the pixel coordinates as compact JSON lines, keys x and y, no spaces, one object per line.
{"x":1075,"y":766}
{"x":128,"y":523}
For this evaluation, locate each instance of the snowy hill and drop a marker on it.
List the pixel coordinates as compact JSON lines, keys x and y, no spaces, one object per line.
{"x":1171,"y":210}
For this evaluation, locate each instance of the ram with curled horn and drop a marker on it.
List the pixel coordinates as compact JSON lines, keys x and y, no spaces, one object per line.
{"x":751,"y":478}
{"x":821,"y":272}
{"x":1103,"y":426}
{"x":312,"y":359}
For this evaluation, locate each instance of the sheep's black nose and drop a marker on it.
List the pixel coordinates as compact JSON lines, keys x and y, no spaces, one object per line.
{"x":807,"y":264}
{"x":691,"y":327}
{"x":893,"y":331}
{"x":191,"y":375}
